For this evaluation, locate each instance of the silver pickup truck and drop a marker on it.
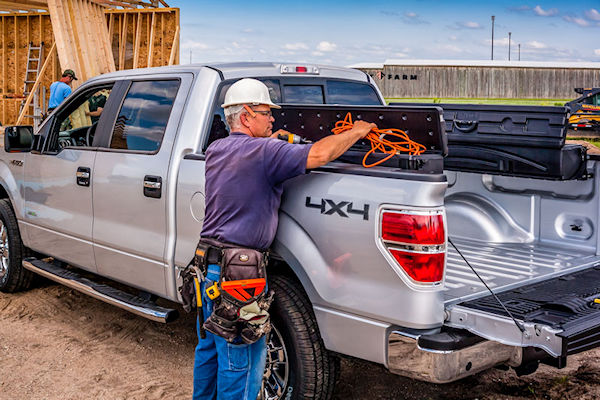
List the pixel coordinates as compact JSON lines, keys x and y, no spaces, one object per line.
{"x":394,"y":264}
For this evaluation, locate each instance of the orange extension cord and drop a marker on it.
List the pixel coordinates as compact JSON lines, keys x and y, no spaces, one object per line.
{"x":376,"y":137}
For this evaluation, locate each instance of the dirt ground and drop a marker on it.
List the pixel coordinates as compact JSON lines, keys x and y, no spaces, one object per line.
{"x":56,"y":343}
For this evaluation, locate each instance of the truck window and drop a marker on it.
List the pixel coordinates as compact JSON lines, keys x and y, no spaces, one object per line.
{"x":75,"y":126}
{"x":143,"y":117}
{"x":338,"y":92}
{"x":303,"y":94}
{"x":351,"y":93}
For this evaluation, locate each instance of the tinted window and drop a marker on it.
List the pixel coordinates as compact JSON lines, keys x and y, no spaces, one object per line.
{"x":303,"y":94}
{"x":144,"y":115}
{"x":351,"y":93}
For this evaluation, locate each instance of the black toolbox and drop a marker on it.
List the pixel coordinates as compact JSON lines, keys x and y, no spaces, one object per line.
{"x":526,"y":141}
{"x":423,"y":124}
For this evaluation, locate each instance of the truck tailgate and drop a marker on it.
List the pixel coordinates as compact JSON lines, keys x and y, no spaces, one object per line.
{"x":552,"y":292}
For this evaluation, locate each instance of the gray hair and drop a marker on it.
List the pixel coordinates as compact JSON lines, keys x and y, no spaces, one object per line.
{"x":233,"y":114}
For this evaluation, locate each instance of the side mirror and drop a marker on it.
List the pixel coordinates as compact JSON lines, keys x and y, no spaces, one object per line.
{"x":18,"y":139}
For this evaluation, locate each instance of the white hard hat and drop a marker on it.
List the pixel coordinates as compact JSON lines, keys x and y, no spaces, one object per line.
{"x":248,"y":91}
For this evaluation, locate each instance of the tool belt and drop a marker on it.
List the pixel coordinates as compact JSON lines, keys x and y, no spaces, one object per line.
{"x":240,"y":298}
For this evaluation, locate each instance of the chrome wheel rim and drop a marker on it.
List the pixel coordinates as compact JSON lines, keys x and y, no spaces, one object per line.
{"x":4,"y":250}
{"x":277,"y":370}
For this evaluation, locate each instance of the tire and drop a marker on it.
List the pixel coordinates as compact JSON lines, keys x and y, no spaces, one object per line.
{"x":309,"y":371}
{"x":13,"y":277}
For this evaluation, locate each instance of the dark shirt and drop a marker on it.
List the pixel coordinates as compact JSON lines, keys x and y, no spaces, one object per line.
{"x":244,"y":177}
{"x":96,"y":102}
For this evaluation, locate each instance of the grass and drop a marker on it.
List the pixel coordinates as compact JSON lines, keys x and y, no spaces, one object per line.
{"x":520,"y":102}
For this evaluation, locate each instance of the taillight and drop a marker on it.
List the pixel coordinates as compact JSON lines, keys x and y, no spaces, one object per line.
{"x":301,"y":69}
{"x":412,"y":228}
{"x":416,"y":242}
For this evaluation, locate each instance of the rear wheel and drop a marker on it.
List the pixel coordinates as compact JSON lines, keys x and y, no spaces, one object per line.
{"x":298,"y":365}
{"x":13,"y":277}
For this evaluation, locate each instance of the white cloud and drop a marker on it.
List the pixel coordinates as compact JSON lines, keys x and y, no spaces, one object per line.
{"x":536,"y":45}
{"x":597,"y":52}
{"x":453,"y":38}
{"x":593,"y":14}
{"x":295,"y":46}
{"x":326,"y":46}
{"x":545,"y":13}
{"x":577,"y":21}
{"x":468,"y":25}
{"x":452,"y":48}
{"x":190,"y":44}
{"x":236,"y":45}
{"x":401,"y":55}
{"x":410,"y":14}
{"x":317,"y":53}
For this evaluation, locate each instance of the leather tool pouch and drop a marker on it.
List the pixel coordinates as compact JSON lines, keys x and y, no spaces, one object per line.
{"x":196,"y":267}
{"x":241,"y":310}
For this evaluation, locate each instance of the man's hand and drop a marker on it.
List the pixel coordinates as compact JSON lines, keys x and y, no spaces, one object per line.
{"x":331,"y":147}
{"x":280,"y":132}
{"x":362,"y":128}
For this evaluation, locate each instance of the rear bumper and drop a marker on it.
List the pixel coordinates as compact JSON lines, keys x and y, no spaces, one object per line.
{"x":406,"y":358}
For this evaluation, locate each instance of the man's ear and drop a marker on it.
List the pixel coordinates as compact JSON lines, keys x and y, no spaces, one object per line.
{"x":244,"y":120}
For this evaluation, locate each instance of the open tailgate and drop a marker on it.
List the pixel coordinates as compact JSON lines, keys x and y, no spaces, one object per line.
{"x":560,"y":315}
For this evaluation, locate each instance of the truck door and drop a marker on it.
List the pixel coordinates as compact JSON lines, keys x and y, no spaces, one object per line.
{"x":130,"y":184}
{"x":56,"y":188}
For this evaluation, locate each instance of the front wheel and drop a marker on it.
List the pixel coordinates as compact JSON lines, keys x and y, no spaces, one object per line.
{"x":13,"y":277}
{"x":298,"y":365}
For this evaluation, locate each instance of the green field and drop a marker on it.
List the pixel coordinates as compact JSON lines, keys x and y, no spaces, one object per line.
{"x":522,"y":102}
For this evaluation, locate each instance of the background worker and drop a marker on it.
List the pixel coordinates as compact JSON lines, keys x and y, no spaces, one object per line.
{"x":61,"y":89}
{"x":244,"y":176}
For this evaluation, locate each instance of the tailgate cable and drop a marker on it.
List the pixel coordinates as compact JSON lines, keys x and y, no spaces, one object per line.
{"x":519,"y":325}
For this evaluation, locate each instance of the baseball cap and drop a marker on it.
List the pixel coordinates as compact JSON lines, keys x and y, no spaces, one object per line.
{"x":70,"y":72}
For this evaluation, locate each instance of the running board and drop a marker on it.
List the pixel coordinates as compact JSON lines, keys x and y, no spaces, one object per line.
{"x":108,"y":294}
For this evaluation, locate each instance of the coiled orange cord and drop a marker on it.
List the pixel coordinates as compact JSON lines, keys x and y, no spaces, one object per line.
{"x":378,"y":142}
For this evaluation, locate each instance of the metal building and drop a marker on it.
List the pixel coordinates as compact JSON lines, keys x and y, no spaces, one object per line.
{"x":482,"y":79}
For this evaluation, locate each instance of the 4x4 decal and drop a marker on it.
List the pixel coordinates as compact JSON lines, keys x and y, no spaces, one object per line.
{"x":342,"y":208}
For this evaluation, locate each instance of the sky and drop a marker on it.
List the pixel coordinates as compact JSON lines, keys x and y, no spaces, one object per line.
{"x":350,"y":32}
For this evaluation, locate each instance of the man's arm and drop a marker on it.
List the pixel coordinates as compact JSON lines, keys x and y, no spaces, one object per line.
{"x":331,"y":147}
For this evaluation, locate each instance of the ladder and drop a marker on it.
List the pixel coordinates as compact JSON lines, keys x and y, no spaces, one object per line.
{"x":35,"y":56}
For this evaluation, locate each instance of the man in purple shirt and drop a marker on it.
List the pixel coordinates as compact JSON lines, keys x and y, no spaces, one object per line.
{"x":244,"y":177}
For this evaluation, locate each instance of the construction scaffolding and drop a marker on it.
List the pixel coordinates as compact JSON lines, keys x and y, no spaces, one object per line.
{"x":89,"y":36}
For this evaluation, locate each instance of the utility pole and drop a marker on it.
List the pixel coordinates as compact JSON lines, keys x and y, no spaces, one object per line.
{"x":493,"y":19}
{"x":509,"y":33}
{"x":519,"y":51}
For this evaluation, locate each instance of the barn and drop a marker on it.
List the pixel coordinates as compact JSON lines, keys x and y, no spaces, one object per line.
{"x":482,"y":79}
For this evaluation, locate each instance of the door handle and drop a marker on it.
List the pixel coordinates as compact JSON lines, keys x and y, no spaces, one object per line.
{"x":83,"y":176}
{"x":152,"y":186}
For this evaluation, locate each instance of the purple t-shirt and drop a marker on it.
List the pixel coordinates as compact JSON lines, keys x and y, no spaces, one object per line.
{"x":244,"y":177}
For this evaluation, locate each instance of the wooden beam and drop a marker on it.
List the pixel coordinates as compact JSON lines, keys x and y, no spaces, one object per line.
{"x":136,"y":48}
{"x":140,"y":10}
{"x":16,"y":64}
{"x":175,"y":46}
{"x":151,"y":42}
{"x":107,"y":42}
{"x":163,"y":3}
{"x":25,"y":4}
{"x":123,"y":42}
{"x":35,"y":85}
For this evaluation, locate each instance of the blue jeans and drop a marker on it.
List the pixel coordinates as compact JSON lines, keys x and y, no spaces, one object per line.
{"x":223,"y":370}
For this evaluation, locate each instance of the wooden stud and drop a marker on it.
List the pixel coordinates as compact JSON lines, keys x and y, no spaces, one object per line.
{"x":162,"y":39}
{"x":123,"y":43}
{"x":15,"y":90}
{"x":175,"y":46}
{"x":151,"y":43}
{"x":4,"y":60}
{"x":136,"y":48}
{"x":35,"y":86}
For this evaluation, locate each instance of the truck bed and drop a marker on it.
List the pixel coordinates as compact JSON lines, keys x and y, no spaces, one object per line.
{"x":507,"y":265}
